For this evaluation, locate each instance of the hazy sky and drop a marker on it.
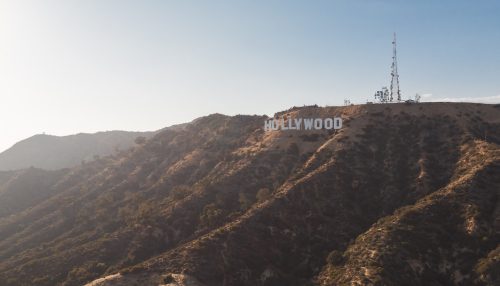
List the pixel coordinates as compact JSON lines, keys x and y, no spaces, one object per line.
{"x":84,"y":66}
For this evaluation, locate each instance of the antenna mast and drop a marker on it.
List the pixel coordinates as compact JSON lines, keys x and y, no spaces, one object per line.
{"x":395,"y":92}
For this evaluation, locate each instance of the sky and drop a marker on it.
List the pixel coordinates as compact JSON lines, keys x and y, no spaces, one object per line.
{"x":70,"y":66}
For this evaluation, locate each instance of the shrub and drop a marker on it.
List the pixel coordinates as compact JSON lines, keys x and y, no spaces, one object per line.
{"x":293,"y":149}
{"x":140,"y":140}
{"x":244,"y":201}
{"x":263,"y":194}
{"x":210,"y":215}
{"x":309,"y":137}
{"x":180,"y":192}
{"x":334,"y":258}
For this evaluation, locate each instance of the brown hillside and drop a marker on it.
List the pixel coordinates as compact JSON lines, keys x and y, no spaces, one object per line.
{"x":401,"y":193}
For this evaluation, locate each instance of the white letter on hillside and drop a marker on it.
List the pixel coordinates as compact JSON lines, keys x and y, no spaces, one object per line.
{"x":275,"y":125}
{"x":338,"y":122}
{"x":318,"y":123}
{"x":268,"y":125}
{"x":328,"y":123}
{"x":298,"y":123}
{"x":283,"y":126}
{"x":308,"y":123}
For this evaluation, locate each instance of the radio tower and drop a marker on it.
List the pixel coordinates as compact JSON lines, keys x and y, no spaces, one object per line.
{"x":395,"y":92}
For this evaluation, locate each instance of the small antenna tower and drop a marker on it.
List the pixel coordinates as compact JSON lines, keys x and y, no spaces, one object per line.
{"x":395,"y":92}
{"x":382,"y":96}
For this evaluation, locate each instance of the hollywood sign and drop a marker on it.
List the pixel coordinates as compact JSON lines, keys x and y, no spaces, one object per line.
{"x":303,"y":124}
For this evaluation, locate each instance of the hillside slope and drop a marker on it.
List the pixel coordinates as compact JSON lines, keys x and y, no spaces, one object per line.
{"x":22,"y":189}
{"x":401,"y":193}
{"x":54,"y":152}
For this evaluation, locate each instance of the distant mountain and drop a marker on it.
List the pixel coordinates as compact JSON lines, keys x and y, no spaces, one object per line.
{"x":54,"y":152}
{"x":403,"y":194}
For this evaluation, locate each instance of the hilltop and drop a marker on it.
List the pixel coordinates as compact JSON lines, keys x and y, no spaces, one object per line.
{"x":402,"y":194}
{"x":57,"y":152}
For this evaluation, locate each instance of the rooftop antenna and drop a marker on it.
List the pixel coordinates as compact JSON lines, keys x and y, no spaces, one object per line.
{"x":395,"y":92}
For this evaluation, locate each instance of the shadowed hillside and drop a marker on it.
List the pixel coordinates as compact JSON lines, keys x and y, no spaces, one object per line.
{"x":401,"y":194}
{"x":54,"y":152}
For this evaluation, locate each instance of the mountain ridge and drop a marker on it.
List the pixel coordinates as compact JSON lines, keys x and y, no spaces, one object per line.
{"x":57,"y":152}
